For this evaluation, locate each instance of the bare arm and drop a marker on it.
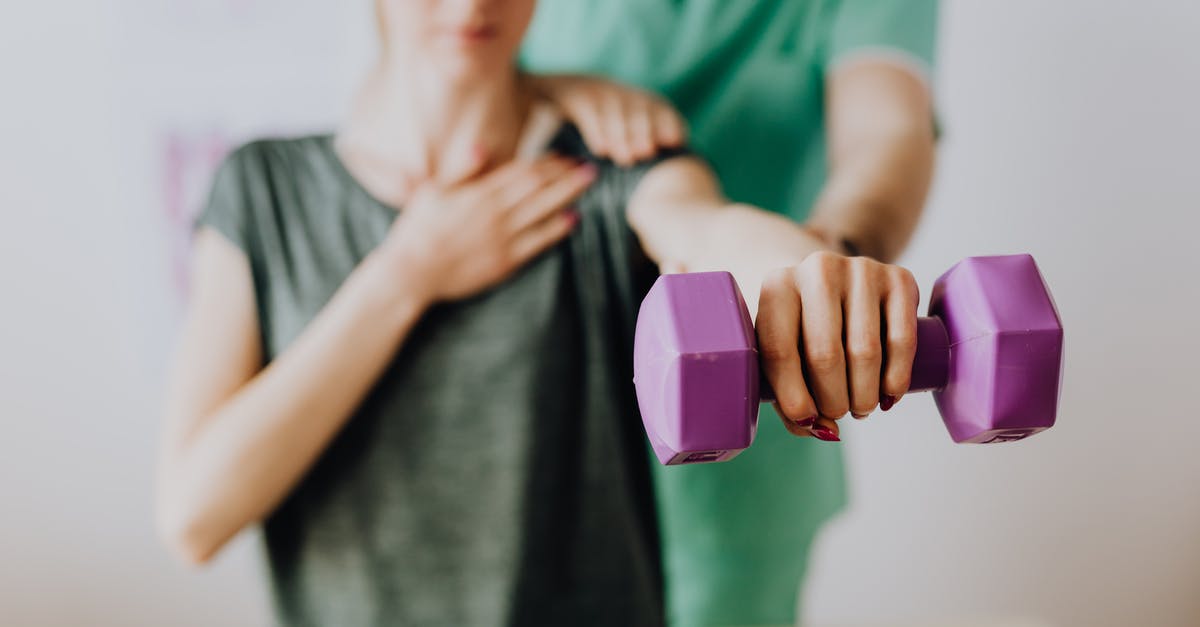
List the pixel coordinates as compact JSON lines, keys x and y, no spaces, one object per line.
{"x":881,"y":153}
{"x":685,"y":224}
{"x":238,"y":440}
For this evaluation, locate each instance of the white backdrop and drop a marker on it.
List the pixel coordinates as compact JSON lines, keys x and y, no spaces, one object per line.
{"x":1071,"y":133}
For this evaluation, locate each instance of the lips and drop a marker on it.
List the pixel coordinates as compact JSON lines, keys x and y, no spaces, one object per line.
{"x":472,"y":34}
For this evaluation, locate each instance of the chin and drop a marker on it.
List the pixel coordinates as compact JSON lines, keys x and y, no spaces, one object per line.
{"x":473,"y":66}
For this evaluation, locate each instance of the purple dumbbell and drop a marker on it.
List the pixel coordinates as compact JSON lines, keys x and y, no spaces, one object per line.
{"x":991,"y":352}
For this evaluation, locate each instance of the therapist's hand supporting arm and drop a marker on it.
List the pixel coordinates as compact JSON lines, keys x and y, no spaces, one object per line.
{"x":881,"y":153}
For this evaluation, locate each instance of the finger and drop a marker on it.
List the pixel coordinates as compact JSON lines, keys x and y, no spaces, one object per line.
{"x":587,"y":116}
{"x":821,"y":333}
{"x":541,"y":236}
{"x":475,"y":164}
{"x":615,"y":123}
{"x":669,"y":128}
{"x":552,"y":197}
{"x":900,"y":329}
{"x":512,"y":173}
{"x":864,"y":349}
{"x":826,"y":429}
{"x":412,"y":184}
{"x":513,"y":191}
{"x":640,"y":130}
{"x":801,"y":429}
{"x":778,"y":328}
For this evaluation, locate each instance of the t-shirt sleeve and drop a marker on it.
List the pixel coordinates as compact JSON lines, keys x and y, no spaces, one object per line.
{"x":901,"y":32}
{"x":227,"y":210}
{"x":611,"y":268}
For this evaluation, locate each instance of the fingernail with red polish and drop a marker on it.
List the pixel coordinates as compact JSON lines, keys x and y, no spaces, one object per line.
{"x":825,"y":433}
{"x":887,"y":402}
{"x":807,"y":422}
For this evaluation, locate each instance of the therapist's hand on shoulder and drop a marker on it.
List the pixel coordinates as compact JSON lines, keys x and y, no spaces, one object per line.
{"x":836,"y":335}
{"x":618,"y":122}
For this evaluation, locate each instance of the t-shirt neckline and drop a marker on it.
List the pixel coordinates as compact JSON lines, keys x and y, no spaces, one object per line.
{"x":544,"y":124}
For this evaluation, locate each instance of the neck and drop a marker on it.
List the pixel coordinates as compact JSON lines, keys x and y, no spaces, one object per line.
{"x":422,"y":125}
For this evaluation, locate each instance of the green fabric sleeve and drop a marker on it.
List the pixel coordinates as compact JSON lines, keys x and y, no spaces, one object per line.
{"x":905,"y":31}
{"x":908,"y":28}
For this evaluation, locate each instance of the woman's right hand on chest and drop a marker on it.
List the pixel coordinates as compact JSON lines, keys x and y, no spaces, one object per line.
{"x":457,"y":239}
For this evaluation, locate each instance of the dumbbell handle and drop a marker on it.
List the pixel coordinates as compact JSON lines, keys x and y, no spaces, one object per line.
{"x":931,"y":364}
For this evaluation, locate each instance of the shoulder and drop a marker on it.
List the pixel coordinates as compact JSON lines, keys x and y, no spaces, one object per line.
{"x":277,"y":156}
{"x":263,"y":183}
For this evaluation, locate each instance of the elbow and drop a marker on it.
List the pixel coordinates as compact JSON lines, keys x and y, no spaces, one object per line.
{"x":185,"y":535}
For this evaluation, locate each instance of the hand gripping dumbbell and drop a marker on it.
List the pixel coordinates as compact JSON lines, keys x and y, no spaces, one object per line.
{"x":990,"y":350}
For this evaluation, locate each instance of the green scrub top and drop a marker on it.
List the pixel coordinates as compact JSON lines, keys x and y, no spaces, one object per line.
{"x":749,"y":77}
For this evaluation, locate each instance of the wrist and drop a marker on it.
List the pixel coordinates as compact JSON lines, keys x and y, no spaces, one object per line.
{"x":835,"y":243}
{"x":548,"y":86}
{"x":398,"y":279}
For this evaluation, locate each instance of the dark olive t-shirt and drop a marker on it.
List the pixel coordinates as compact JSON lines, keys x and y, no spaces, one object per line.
{"x":497,"y":473}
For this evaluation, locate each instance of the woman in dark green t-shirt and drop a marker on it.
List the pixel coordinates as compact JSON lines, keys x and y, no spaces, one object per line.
{"x":407,"y":350}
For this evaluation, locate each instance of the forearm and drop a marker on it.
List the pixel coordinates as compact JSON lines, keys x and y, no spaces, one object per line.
{"x":239,"y":462}
{"x":881,"y":153}
{"x":699,"y":231}
{"x":874,"y":197}
{"x":749,"y":243}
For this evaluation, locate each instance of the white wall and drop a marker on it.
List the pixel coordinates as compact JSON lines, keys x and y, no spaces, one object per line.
{"x":1070,"y":133}
{"x":105,"y":104}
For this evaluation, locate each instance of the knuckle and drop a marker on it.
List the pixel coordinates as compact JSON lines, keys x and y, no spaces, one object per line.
{"x":834,"y":410}
{"x":897,"y":385}
{"x":545,"y":172}
{"x":497,"y":219}
{"x":822,"y":259}
{"x":862,"y":408}
{"x":902,"y":278}
{"x":901,"y":341}
{"x":562,"y":227}
{"x":795,"y":407}
{"x":612,"y":102}
{"x":778,"y":280}
{"x":516,"y":186}
{"x":900,"y":275}
{"x":774,"y":351}
{"x":823,"y":265}
{"x":864,"y":270}
{"x":824,"y":359}
{"x":864,"y":351}
{"x":860,"y":263}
